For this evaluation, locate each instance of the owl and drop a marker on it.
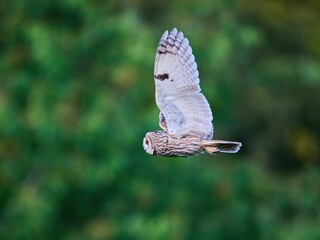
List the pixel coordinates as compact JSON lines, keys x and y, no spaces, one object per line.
{"x":185,"y":115}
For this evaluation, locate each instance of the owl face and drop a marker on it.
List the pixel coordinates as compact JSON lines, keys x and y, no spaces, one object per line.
{"x":147,"y":144}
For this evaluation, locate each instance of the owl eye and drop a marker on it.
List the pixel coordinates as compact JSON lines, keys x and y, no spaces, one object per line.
{"x":147,"y":142}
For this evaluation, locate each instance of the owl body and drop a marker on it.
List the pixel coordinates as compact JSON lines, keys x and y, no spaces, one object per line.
{"x":185,"y":114}
{"x":165,"y":145}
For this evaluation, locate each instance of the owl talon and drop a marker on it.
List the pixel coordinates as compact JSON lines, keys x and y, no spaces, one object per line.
{"x":162,"y":122}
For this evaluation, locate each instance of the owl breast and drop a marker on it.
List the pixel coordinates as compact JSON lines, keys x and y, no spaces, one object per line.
{"x":166,"y":145}
{"x":184,"y":147}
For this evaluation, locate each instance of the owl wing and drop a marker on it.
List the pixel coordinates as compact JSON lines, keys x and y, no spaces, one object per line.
{"x":185,"y":110}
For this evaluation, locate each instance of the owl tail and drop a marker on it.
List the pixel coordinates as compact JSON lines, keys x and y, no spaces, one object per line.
{"x":216,"y":146}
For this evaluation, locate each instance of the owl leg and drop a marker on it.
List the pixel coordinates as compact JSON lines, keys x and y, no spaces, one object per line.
{"x":162,"y":122}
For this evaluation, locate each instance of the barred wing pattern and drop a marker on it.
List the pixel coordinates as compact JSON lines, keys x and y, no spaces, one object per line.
{"x":185,"y":109}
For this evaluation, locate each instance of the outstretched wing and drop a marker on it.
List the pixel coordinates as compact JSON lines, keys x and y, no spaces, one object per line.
{"x":185,"y":109}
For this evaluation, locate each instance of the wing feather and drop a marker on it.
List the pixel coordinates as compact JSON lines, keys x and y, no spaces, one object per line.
{"x":185,"y":109}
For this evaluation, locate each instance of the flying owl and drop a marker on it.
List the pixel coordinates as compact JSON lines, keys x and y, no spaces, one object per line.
{"x":185,"y":114}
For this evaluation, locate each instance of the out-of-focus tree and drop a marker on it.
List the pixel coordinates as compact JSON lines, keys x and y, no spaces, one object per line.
{"x":77,"y":97}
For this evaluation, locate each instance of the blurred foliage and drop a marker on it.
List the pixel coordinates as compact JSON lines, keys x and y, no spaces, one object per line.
{"x":77,"y":97}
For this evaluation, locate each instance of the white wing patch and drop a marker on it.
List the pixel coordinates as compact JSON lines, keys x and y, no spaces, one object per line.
{"x":185,"y":109}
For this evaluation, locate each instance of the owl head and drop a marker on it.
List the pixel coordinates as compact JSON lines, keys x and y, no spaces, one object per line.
{"x":155,"y":142}
{"x":147,"y":143}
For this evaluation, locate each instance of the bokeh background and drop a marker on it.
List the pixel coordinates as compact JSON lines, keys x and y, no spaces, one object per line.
{"x":77,"y":97}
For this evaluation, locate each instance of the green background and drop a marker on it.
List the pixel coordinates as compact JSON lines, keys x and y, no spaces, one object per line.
{"x":77,"y":97}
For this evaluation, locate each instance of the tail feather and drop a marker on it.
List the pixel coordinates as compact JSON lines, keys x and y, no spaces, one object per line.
{"x":216,"y":146}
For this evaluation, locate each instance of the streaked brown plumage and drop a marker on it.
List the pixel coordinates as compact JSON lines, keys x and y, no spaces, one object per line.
{"x":162,"y":144}
{"x":185,"y":115}
{"x":165,"y":145}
